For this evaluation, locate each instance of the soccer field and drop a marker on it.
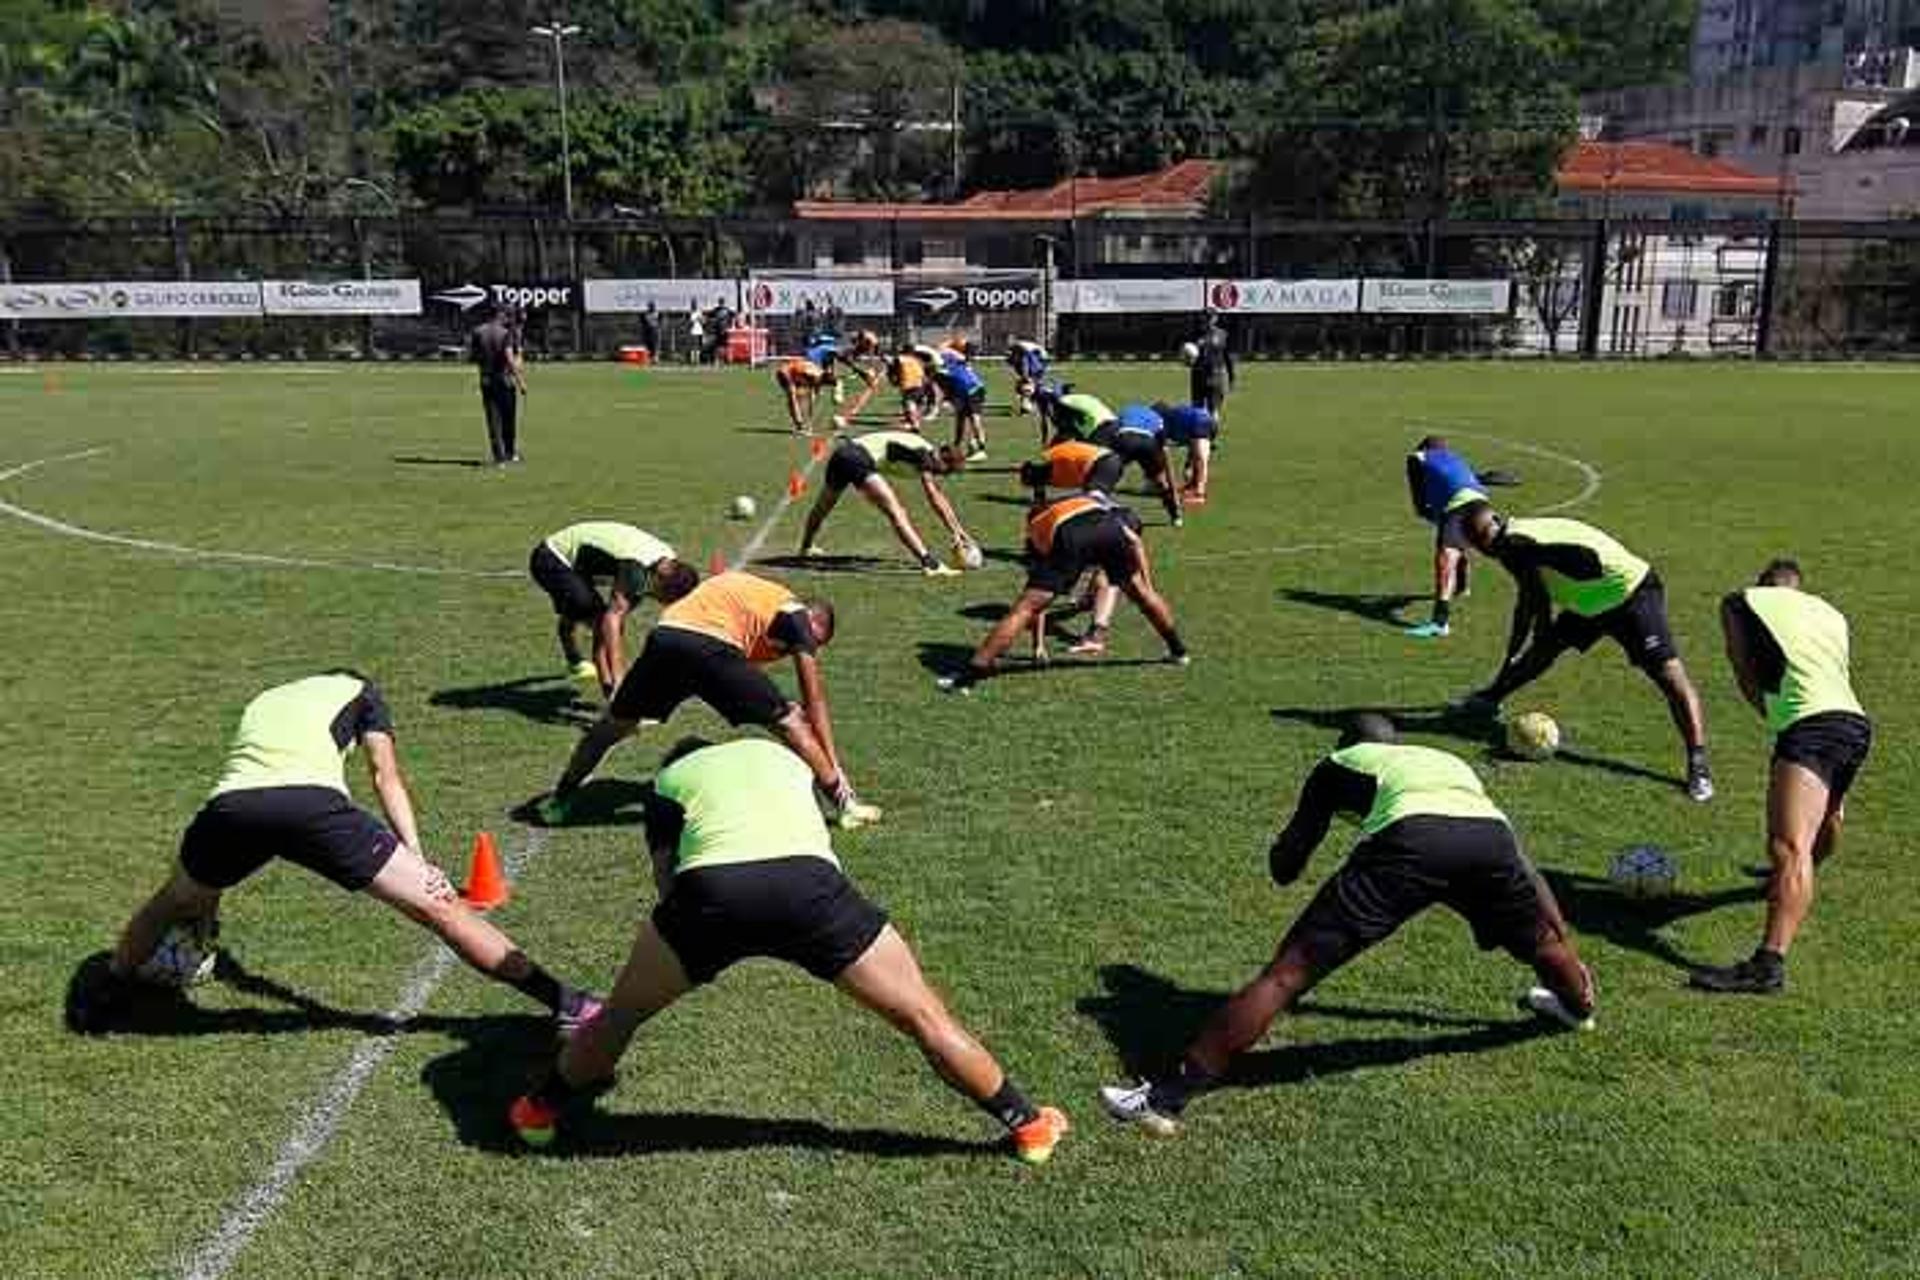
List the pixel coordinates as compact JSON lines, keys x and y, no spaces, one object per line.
{"x":1078,"y":853}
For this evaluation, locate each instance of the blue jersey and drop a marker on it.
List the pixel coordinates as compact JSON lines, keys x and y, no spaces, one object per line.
{"x":823,"y":351}
{"x":1438,"y":477}
{"x":1189,"y":422}
{"x":958,"y":378}
{"x":1029,"y":361}
{"x":1139,"y":420}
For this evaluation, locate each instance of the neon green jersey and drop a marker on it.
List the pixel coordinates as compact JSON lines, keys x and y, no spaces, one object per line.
{"x":745,"y":801}
{"x":901,"y":453}
{"x":1412,"y":782}
{"x":1806,"y":671}
{"x":1081,"y":414}
{"x":299,"y":734}
{"x":1585,"y":571}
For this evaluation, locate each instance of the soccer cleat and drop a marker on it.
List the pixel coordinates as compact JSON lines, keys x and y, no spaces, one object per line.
{"x":1089,"y":646}
{"x":813,"y":551}
{"x":978,"y":455}
{"x":1034,"y":1141}
{"x":1699,"y":784}
{"x":533,"y":1120}
{"x":960,"y":682}
{"x":1134,"y":1105}
{"x":551,"y":810}
{"x":1475,"y":704}
{"x":1429,"y":631}
{"x":1181,"y":659}
{"x":1751,"y":977}
{"x":938,"y":570}
{"x":1544,"y":1003}
{"x":856,"y":814}
{"x":1179,"y":523}
{"x":585,"y":672}
{"x":585,"y":1009}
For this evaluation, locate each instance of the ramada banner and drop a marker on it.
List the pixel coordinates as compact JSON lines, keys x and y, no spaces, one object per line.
{"x":788,"y":295}
{"x":664,"y":295}
{"x":1284,"y":297}
{"x":89,"y":300}
{"x":341,"y":297}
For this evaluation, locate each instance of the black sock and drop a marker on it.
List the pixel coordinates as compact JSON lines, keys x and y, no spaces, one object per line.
{"x":1009,"y":1106}
{"x":537,"y":984}
{"x":1176,"y":647}
{"x":1170,"y":1096}
{"x":1769,"y":960}
{"x":928,"y":561}
{"x":1697,"y":759}
{"x":1442,"y":612}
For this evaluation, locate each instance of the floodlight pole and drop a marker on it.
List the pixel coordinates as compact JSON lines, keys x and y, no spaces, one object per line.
{"x":558,"y":32}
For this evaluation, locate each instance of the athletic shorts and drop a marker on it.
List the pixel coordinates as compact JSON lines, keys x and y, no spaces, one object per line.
{"x":965,"y":401}
{"x":1638,"y":625}
{"x":677,"y":664}
{"x":1831,"y":744}
{"x":1451,"y":531}
{"x":1207,"y":393}
{"x":237,"y":833}
{"x":1104,"y":475}
{"x":572,"y":591}
{"x":1472,"y":865}
{"x":802,"y":910}
{"x":1096,"y":541}
{"x":1137,"y":450}
{"x":849,"y":466}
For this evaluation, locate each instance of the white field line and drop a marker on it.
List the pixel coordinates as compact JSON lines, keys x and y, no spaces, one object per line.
{"x":320,"y":1118}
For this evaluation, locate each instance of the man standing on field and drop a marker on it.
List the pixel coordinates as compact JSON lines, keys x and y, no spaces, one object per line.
{"x":495,"y":352}
{"x":1789,"y":651}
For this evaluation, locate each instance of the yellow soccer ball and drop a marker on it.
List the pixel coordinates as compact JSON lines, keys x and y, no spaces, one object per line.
{"x":1533,"y":735}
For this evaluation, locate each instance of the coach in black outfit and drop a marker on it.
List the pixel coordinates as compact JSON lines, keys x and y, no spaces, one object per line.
{"x":494,"y":349}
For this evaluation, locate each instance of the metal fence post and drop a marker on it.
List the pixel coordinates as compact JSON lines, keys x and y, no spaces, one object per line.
{"x":6,"y":277}
{"x":1769,"y":279}
{"x":182,"y":270}
{"x":1593,"y":284}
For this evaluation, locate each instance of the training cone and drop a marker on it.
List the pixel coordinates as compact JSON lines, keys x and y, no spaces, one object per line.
{"x":486,"y":882}
{"x":796,"y":484}
{"x":716,"y":564}
{"x":818,"y":448}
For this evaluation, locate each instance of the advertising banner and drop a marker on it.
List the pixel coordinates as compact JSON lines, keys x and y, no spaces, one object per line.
{"x":926,"y":299}
{"x":1438,"y":297}
{"x":787,"y":295}
{"x":87,"y":300}
{"x":555,"y":295}
{"x":1284,"y":297}
{"x":665,"y":295}
{"x":1123,"y":297}
{"x":341,"y":297}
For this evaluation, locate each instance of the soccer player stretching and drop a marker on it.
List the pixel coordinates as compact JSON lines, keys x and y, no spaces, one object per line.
{"x":1429,"y":836}
{"x":1789,"y":651}
{"x":745,"y":868}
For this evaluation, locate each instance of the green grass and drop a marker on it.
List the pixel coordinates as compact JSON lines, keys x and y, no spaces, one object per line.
{"x":1077,"y":855}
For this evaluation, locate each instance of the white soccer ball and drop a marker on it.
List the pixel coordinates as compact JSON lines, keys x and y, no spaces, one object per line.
{"x":1189,"y":352}
{"x":967,"y":555}
{"x":742,"y":508}
{"x":184,"y":958}
{"x":1533,"y":735}
{"x":1644,"y":871}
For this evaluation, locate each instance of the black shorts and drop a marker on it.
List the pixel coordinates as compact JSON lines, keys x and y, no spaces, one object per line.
{"x":1134,"y":449}
{"x":571,"y":591}
{"x":237,"y":833}
{"x":1832,"y":745}
{"x":849,"y":466}
{"x":1638,"y":625}
{"x":1206,"y":392}
{"x":802,"y":910}
{"x":1451,"y":532}
{"x":1473,"y":865}
{"x":1088,"y":542}
{"x":1104,"y":475}
{"x":677,"y":664}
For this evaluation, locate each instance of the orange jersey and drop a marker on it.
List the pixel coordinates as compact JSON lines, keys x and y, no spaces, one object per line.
{"x":1069,"y":462}
{"x":800,"y":372}
{"x":906,"y":372}
{"x":1047,"y":521}
{"x":735,"y":607}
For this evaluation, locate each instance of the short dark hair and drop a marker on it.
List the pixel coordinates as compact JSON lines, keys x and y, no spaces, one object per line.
{"x":1369,"y":726}
{"x":1781,"y":571}
{"x":823,"y":610}
{"x":673,"y":580}
{"x":1431,"y":442}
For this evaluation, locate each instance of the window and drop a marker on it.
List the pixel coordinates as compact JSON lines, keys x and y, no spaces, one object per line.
{"x":1790,"y":141}
{"x":1679,"y":299}
{"x":1757,"y":136}
{"x":847,"y":252}
{"x":1735,"y":301}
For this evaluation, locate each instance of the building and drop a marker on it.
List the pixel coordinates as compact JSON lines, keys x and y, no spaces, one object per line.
{"x":1668,"y":291}
{"x":1741,"y":35}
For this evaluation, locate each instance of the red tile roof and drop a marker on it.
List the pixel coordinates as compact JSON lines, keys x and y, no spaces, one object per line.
{"x":1658,"y":167}
{"x":1177,"y":191}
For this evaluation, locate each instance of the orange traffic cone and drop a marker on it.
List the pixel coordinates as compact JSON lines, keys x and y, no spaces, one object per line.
{"x":796,"y":484}
{"x":818,"y":448}
{"x":486,"y":883}
{"x":716,"y":564}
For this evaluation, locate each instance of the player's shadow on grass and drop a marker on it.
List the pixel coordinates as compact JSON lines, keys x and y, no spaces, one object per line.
{"x":837,"y":564}
{"x":477,"y":1082}
{"x":545,"y":699}
{"x":767,"y":431}
{"x":1593,"y":906}
{"x":1466,"y":726}
{"x":1386,"y":609}
{"x":423,"y":460}
{"x":160,"y":1013}
{"x":943,"y":658}
{"x":1149,"y":1020}
{"x":600,"y":802}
